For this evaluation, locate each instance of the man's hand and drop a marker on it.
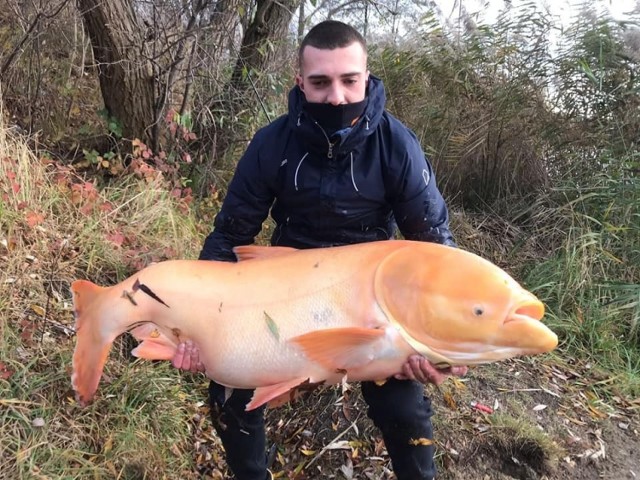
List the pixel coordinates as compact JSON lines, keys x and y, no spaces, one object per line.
{"x":422,"y":370}
{"x":187,"y":357}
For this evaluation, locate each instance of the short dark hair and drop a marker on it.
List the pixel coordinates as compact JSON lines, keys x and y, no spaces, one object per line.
{"x":329,"y":35}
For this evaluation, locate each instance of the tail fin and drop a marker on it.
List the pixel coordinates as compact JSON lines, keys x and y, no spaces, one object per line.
{"x":93,"y":341}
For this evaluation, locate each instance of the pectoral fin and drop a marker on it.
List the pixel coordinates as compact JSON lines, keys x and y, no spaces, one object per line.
{"x":263,"y":395}
{"x":339,"y":348}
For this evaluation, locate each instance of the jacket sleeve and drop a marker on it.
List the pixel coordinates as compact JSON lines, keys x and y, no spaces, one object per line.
{"x":418,"y":207}
{"x":245,"y":207}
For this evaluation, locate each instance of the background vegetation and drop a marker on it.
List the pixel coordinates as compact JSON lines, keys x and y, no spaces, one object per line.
{"x":120,"y":126}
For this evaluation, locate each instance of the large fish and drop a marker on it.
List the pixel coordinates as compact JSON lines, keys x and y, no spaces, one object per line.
{"x":282,"y":317}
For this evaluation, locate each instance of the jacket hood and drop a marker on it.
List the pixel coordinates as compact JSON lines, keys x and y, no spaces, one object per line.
{"x":315,"y":137}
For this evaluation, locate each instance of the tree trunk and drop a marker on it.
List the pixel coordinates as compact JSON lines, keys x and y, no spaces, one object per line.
{"x":270,"y":24}
{"x":262,"y":39}
{"x":302,"y":21}
{"x":125,"y":72}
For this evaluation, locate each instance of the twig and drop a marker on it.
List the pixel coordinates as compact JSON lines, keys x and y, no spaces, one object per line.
{"x":530,"y":390}
{"x":12,"y":56}
{"x":327,"y":447}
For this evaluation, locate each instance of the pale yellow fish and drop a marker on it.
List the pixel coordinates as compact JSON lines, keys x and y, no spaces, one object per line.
{"x":282,"y":317}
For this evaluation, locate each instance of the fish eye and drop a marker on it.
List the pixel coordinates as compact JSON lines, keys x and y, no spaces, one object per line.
{"x":478,"y":310}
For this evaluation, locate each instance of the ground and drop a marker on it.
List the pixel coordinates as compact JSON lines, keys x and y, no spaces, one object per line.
{"x":525,"y":419}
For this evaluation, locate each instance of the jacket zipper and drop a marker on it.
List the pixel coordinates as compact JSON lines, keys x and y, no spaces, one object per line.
{"x":330,"y":150}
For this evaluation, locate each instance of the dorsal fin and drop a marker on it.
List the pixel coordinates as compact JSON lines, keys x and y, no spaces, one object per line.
{"x":249,"y":252}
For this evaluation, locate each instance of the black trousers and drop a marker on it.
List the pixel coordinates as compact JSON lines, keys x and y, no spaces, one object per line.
{"x":398,"y":408}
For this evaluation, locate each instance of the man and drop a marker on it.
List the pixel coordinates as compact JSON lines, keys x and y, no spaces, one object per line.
{"x":338,"y":169}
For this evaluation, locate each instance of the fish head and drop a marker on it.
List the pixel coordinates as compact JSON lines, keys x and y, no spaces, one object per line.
{"x":457,"y":308}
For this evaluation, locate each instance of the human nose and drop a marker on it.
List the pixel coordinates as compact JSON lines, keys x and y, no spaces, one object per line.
{"x":335,"y":96}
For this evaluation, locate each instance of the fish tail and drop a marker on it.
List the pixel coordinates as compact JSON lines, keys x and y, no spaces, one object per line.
{"x":93,"y":338}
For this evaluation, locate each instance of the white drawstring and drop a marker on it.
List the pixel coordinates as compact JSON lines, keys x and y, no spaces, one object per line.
{"x":353,"y":180}
{"x":295,"y":177}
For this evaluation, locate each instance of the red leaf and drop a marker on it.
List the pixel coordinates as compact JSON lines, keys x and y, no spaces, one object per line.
{"x":5,"y":371}
{"x":116,"y":238}
{"x":28,"y":329}
{"x":106,"y":207}
{"x":86,"y":209}
{"x":34,"y":218}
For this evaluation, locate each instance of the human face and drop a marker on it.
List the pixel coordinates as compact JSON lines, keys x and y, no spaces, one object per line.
{"x":335,"y":76}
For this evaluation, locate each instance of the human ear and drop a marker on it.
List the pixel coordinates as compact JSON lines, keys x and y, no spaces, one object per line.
{"x":300,"y":82}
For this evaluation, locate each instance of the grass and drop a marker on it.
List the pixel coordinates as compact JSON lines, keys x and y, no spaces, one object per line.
{"x":591,"y":282}
{"x":579,"y":252}
{"x":55,"y":228}
{"x":518,"y":438}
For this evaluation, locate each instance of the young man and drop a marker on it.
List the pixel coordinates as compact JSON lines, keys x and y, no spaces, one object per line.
{"x":337,"y":169}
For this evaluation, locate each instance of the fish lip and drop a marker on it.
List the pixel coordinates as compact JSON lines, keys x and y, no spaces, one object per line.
{"x":527,"y":310}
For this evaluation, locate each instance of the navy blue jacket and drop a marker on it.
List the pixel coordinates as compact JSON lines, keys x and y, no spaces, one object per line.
{"x":355,"y":187}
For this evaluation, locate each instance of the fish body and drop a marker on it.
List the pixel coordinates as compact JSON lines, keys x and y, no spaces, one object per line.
{"x":282,"y":317}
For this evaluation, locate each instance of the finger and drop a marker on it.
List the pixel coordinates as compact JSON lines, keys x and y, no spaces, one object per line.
{"x":422,"y":370}
{"x":189,"y":363}
{"x":178,"y":358}
{"x":407,"y":371}
{"x":197,"y":365}
{"x":192,"y":352}
{"x":459,"y":370}
{"x":438,"y":378}
{"x":437,"y":375}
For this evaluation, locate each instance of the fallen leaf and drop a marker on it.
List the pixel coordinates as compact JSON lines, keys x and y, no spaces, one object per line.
{"x":116,"y":238}
{"x":539,"y":408}
{"x":450,"y":401}
{"x":38,"y":422}
{"x":34,"y":218}
{"x":5,"y":372}
{"x":420,"y":441}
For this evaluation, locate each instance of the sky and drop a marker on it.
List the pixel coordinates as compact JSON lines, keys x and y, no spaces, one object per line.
{"x":563,"y":9}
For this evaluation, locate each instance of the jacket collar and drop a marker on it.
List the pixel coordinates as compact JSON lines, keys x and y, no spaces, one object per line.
{"x":314,"y":136}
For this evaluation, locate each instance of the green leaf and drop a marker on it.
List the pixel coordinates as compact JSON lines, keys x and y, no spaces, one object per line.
{"x":273,"y":328}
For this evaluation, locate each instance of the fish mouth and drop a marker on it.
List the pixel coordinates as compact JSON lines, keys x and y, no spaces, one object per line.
{"x":524,"y":329}
{"x":528,"y":309}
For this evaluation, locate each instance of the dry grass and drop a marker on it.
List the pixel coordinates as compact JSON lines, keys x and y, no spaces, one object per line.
{"x":149,"y":421}
{"x":51,"y":232}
